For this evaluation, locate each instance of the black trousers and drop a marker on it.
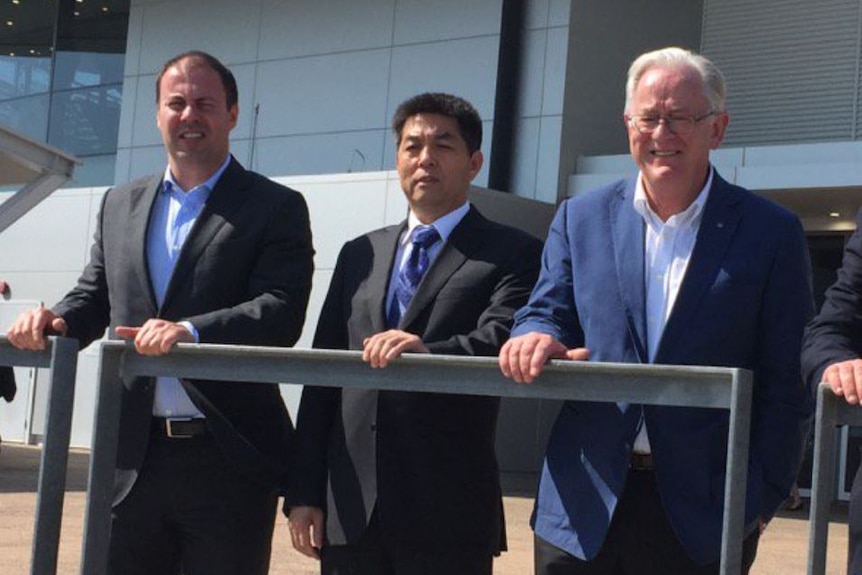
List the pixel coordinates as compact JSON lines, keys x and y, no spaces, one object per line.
{"x":190,"y":513}
{"x":373,"y":554}
{"x":640,"y":541}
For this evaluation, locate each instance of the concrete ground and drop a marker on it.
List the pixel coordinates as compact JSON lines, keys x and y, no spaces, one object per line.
{"x":783,"y":547}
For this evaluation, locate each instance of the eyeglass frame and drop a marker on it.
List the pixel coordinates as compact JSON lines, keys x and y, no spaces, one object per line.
{"x":689,"y":121}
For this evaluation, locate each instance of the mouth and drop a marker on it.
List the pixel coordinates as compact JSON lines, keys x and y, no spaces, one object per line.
{"x":426,"y":180}
{"x":191,"y":135}
{"x":663,"y":153}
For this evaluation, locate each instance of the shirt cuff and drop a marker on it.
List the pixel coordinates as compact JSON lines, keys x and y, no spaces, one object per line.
{"x":188,"y":325}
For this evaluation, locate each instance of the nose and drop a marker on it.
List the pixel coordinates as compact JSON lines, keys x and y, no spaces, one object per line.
{"x":188,"y":113}
{"x":426,"y":156}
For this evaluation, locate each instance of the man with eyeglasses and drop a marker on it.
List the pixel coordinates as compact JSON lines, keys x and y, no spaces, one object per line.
{"x":675,"y":266}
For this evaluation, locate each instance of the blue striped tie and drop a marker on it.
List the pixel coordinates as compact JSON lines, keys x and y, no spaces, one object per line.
{"x":411,"y":272}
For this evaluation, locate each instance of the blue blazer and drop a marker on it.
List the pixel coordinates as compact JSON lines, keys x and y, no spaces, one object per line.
{"x":744,"y":302}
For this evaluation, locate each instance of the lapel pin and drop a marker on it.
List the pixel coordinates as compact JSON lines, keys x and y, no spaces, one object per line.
{"x":719,"y":225}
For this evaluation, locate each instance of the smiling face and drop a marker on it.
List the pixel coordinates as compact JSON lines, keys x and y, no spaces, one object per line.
{"x":674,"y":167}
{"x":434,"y":165}
{"x":194,"y":118}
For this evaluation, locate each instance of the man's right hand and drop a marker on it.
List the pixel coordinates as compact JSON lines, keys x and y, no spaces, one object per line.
{"x":523,"y":357}
{"x":845,"y":378}
{"x":306,"y":530}
{"x":31,"y":327}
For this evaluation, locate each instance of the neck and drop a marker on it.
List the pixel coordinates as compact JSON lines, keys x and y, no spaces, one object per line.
{"x":190,"y":175}
{"x":672,"y":198}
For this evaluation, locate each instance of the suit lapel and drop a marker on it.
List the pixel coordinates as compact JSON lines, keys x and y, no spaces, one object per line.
{"x":226,"y":198}
{"x":384,"y":247}
{"x":627,"y":232}
{"x":719,"y":222}
{"x":140,"y":209}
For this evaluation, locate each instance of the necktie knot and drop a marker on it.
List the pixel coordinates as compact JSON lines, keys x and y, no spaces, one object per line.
{"x":425,"y":236}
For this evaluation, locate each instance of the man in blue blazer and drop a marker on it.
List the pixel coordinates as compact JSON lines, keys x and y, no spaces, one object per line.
{"x":675,"y":266}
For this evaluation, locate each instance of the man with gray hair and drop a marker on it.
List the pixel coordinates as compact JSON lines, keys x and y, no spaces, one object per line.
{"x":674,"y":266}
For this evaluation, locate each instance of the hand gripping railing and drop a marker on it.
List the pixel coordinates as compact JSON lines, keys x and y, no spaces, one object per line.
{"x":61,"y":357}
{"x":831,"y":411}
{"x":722,"y":388}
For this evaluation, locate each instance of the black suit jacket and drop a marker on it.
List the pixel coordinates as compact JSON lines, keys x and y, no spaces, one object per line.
{"x":836,"y":333}
{"x":425,"y":461}
{"x":243,"y":277}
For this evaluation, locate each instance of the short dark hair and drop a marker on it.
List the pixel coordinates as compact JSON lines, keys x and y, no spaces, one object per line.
{"x":469,"y":122}
{"x":210,"y":61}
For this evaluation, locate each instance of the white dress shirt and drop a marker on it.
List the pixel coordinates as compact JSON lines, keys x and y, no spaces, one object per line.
{"x":668,"y":247}
{"x":174,"y":215}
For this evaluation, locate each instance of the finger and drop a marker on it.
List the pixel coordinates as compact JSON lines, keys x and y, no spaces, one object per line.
{"x":578,"y":354}
{"x":503,"y":359}
{"x":126,"y":332}
{"x":848,"y":383}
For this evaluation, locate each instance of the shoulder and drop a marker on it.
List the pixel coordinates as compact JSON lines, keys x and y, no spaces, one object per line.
{"x":756,"y":209}
{"x":503,"y":236}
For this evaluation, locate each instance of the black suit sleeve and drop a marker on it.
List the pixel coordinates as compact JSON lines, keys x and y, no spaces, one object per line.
{"x":835,"y":335}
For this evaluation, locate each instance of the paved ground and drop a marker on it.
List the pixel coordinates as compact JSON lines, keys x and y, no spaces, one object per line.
{"x":783,"y":548}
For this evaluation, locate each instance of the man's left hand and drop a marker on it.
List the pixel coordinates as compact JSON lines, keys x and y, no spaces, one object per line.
{"x":156,"y":336}
{"x":381,"y":348}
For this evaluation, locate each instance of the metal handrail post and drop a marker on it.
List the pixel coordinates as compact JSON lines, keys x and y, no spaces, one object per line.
{"x":823,"y":479}
{"x":55,"y":456}
{"x":831,"y":412}
{"x":736,"y":476}
{"x":61,"y":357}
{"x":100,"y":488}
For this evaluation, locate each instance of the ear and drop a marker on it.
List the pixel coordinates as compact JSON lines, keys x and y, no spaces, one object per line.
{"x":234,"y":115}
{"x":476,"y":162}
{"x":719,"y":127}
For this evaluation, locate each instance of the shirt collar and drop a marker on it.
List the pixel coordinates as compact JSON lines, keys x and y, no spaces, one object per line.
{"x":691,"y":214}
{"x":170,"y":183}
{"x":444,"y":225}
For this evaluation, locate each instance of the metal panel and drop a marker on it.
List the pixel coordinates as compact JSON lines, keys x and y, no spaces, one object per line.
{"x":792,"y":68}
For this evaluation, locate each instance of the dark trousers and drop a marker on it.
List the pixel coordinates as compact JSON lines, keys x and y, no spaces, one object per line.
{"x":854,"y":523}
{"x":374,"y":554}
{"x":190,"y":513}
{"x":640,"y":541}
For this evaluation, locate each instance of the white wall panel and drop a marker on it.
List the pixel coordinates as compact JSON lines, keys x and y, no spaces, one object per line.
{"x":311,"y":27}
{"x":422,"y":21}
{"x":127,"y":111}
{"x":548,"y":169}
{"x":339,"y":152}
{"x":531,"y":83}
{"x":227,"y":30}
{"x":143,"y":127}
{"x":133,"y":40}
{"x":554,"y":84}
{"x":335,"y":93}
{"x":467,"y":68}
{"x":525,"y":157}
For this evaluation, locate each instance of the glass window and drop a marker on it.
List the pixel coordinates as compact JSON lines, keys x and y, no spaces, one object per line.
{"x":85,"y":122}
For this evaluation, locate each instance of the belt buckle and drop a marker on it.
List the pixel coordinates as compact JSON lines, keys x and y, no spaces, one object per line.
{"x":169,"y":428}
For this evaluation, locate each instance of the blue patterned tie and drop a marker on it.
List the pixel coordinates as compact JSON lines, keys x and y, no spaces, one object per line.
{"x":411,"y":272}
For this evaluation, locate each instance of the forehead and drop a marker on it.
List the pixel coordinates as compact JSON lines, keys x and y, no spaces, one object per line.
{"x":431,"y":126}
{"x":191,"y":76}
{"x":678,"y":88}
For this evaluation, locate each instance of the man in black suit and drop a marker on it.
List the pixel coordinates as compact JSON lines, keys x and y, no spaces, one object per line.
{"x":407,"y":483}
{"x":206,"y":252}
{"x":832,"y":353}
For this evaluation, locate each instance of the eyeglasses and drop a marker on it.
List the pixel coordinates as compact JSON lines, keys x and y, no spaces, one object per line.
{"x":679,"y":125}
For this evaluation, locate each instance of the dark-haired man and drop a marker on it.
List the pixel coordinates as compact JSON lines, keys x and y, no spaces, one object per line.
{"x":407,"y":483}
{"x":205,"y":252}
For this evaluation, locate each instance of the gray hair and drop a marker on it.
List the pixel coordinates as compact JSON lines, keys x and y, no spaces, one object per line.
{"x":713,"y":80}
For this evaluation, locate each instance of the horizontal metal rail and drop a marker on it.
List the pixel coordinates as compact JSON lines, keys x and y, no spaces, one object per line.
{"x":61,"y":357}
{"x":832,"y":411}
{"x":723,"y":388}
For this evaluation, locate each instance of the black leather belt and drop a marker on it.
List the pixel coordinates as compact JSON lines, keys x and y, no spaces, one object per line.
{"x":641,"y":462}
{"x":179,"y":427}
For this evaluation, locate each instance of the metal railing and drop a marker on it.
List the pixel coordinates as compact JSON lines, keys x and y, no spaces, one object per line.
{"x":722,"y":388}
{"x":831,"y":412}
{"x":61,"y":357}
